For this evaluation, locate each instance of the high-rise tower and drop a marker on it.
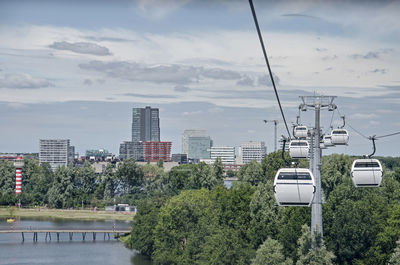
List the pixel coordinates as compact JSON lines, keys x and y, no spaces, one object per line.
{"x":145,"y":124}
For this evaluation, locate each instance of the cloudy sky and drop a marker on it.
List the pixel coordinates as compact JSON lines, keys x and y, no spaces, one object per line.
{"x":75,"y":69}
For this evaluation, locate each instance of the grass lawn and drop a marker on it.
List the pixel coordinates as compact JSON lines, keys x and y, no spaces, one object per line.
{"x":67,"y":214}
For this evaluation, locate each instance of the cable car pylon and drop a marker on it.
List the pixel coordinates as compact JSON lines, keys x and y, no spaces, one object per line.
{"x":317,"y":103}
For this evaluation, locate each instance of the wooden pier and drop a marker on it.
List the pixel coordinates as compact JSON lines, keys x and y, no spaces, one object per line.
{"x":48,"y":232}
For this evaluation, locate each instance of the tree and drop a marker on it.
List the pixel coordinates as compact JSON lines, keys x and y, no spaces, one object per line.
{"x":144,"y":222}
{"x":109,"y":182}
{"x":270,"y":253}
{"x":293,"y":218}
{"x":61,"y":190}
{"x":251,"y":173}
{"x":312,"y":251}
{"x":178,"y":178}
{"x":335,"y":168}
{"x":272,"y":162}
{"x":160,"y":163}
{"x":218,"y":169}
{"x":352,"y":220}
{"x":183,"y":225}
{"x":225,"y":246}
{"x":265,"y":215}
{"x":203,"y":177}
{"x":395,"y":258}
{"x":7,"y":183}
{"x":130,"y":177}
{"x":36,"y":182}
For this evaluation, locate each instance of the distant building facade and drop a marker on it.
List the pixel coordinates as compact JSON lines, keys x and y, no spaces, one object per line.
{"x":198,"y":147}
{"x":154,"y":151}
{"x":56,"y":152}
{"x":133,"y":150}
{"x":98,"y":154}
{"x":180,"y":158}
{"x":190,"y":133}
{"x":226,"y":153}
{"x":145,"y":124}
{"x":250,"y":151}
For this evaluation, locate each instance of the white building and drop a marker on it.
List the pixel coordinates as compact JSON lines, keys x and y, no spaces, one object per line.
{"x":249,"y":151}
{"x":226,"y":153}
{"x":190,"y":133}
{"x":54,"y":151}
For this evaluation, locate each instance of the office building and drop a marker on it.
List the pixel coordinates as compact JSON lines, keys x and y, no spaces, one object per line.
{"x":198,"y":147}
{"x":98,"y":154}
{"x":180,"y":158}
{"x":190,"y":133}
{"x":154,"y":151}
{"x":54,"y":151}
{"x":133,"y":150}
{"x":145,"y":124}
{"x":226,"y":153}
{"x":249,"y":151}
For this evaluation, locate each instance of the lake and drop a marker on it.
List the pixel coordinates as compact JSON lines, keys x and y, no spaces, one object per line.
{"x":15,"y":252}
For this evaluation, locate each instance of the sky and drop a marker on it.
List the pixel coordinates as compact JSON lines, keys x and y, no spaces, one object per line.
{"x":75,"y":69}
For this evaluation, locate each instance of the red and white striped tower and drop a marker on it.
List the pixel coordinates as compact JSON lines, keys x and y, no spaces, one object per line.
{"x":19,"y":163}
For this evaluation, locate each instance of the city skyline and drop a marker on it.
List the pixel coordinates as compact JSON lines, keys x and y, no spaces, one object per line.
{"x":75,"y":69}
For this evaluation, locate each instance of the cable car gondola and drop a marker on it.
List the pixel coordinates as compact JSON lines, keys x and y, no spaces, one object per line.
{"x":299,"y":148}
{"x":294,"y":187}
{"x":327,"y":140}
{"x":300,"y":131}
{"x":339,"y":136}
{"x":366,"y":173}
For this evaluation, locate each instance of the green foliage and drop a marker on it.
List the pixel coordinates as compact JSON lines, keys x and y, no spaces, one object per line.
{"x":290,"y":228}
{"x":160,"y":163}
{"x":395,"y":258}
{"x":218,"y":169}
{"x":61,"y":189}
{"x":271,"y":253}
{"x":272,"y":162}
{"x":335,"y":168}
{"x":202,"y":176}
{"x":144,"y":222}
{"x":183,"y":225}
{"x":7,"y":183}
{"x":311,"y":251}
{"x":353,"y":218}
{"x":178,"y":178}
{"x":225,"y":246}
{"x":130,"y":177}
{"x":251,"y":173}
{"x":265,"y":215}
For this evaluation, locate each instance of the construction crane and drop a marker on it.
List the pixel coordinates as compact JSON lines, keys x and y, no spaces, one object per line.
{"x":276,"y":124}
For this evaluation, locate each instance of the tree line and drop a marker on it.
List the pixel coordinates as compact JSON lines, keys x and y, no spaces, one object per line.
{"x":187,"y":215}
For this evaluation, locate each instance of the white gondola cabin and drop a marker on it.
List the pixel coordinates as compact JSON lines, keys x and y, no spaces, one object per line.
{"x":366,"y":173}
{"x":294,"y":187}
{"x":327,"y":140}
{"x":339,"y":136}
{"x":300,"y":131}
{"x":299,"y":148}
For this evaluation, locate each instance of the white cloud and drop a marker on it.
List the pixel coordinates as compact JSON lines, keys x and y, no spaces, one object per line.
{"x":81,"y":47}
{"x":364,"y":116}
{"x":23,"y":81}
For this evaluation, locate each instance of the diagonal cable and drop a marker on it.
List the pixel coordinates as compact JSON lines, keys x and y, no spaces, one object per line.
{"x":266,"y":60}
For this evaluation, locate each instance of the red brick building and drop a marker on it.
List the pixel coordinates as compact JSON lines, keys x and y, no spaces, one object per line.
{"x":154,"y":151}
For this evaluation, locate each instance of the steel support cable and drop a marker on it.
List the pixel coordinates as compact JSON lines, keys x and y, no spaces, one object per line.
{"x":387,"y":135}
{"x":267,"y":62}
{"x":366,"y":137}
{"x":330,"y":124}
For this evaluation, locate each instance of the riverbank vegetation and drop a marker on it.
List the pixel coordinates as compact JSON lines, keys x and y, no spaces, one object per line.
{"x":65,"y":214}
{"x":193,"y":219}
{"x":187,"y":215}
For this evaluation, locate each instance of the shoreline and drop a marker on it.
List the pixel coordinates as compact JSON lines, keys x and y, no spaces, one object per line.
{"x":89,"y":215}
